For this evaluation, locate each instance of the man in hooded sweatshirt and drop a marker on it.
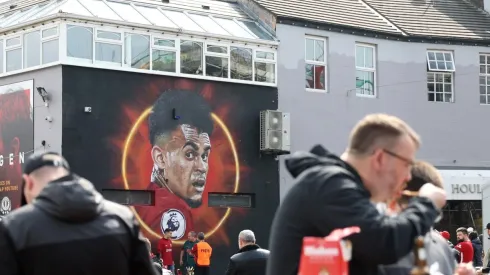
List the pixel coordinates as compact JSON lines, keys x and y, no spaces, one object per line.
{"x":440,"y":257}
{"x":477,"y":249}
{"x":332,"y":192}
{"x":67,"y":227}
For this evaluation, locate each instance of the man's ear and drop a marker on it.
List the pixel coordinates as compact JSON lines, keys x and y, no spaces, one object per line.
{"x":378,"y":159}
{"x":158,"y":156}
{"x":28,"y":185}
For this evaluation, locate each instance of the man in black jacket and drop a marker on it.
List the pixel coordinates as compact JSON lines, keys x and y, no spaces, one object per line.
{"x":332,"y":192}
{"x":250,"y":259}
{"x":68,"y":228}
{"x":477,"y":249}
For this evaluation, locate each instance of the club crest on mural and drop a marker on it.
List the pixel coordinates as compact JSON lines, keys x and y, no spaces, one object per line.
{"x":174,"y":220}
{"x":6,"y":206}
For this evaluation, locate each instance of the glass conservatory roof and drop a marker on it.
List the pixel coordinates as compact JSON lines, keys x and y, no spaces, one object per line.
{"x":206,"y":16}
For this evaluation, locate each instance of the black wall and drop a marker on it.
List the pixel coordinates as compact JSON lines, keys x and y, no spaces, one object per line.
{"x":93,"y":144}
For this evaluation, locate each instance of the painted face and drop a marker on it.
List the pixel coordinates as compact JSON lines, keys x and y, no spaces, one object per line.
{"x":185,"y":163}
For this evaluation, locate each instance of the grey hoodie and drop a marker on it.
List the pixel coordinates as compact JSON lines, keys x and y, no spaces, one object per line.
{"x":440,"y":258}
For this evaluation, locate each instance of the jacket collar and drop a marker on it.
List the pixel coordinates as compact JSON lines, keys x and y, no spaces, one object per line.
{"x":249,"y":247}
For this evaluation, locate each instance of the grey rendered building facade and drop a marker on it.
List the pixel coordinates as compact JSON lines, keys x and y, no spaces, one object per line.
{"x":394,"y":41}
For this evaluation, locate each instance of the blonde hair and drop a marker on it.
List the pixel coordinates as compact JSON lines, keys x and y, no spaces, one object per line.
{"x":378,"y":131}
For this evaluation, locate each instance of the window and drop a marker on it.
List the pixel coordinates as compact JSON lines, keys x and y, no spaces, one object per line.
{"x":225,"y":200}
{"x":137,"y":49}
{"x":265,"y":66}
{"x":127,"y":12}
{"x":129,"y":197}
{"x":32,"y":54}
{"x":80,"y":42}
{"x":484,"y":78}
{"x":365,"y":70}
{"x":50,"y":45}
{"x":440,"y":74}
{"x":13,"y":54}
{"x":156,"y":16}
{"x":316,"y":63}
{"x":217,"y":60}
{"x":100,"y":9}
{"x":241,"y":60}
{"x":108,"y":47}
{"x":183,"y":21}
{"x":164,"y":55}
{"x":208,"y":24}
{"x":191,"y":57}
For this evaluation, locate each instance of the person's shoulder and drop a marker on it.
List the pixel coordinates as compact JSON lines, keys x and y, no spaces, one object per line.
{"x":113,"y":208}
{"x":125,"y":214}
{"x":321,"y":178}
{"x":20,"y":216}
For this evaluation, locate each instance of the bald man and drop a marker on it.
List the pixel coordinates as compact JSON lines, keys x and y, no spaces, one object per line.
{"x":67,"y":227}
{"x":250,"y":259}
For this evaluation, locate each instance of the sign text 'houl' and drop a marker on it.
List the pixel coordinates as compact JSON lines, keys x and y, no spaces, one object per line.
{"x":466,"y":188}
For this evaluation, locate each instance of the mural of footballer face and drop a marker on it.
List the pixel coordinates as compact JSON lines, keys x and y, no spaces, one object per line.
{"x":181,"y":145}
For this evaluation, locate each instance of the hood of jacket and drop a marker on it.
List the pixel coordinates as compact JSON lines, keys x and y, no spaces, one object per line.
{"x":476,"y":242}
{"x":318,"y":155}
{"x":70,"y":199}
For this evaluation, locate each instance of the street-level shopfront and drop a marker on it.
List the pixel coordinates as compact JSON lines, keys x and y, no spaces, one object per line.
{"x":465,"y":189}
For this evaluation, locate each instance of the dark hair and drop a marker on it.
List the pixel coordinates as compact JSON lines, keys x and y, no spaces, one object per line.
{"x":200,"y":236}
{"x":462,"y":230}
{"x":167,"y":230}
{"x":473,"y":235}
{"x":191,"y":108}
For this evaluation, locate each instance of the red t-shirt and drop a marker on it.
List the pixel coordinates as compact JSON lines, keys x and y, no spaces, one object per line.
{"x":165,"y":249}
{"x":169,"y":211}
{"x":466,"y":250}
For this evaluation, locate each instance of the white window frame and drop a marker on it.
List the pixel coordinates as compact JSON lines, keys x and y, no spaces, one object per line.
{"x":366,"y":69}
{"x":487,"y":78}
{"x":40,"y":47}
{"x":50,"y":38}
{"x":442,"y":72}
{"x":175,"y":49}
{"x":263,"y":60}
{"x":77,"y":60}
{"x":443,"y":52}
{"x":127,"y":52}
{"x":198,"y":40}
{"x":213,"y":54}
{"x":318,"y":63}
{"x":61,"y":35}
{"x":20,"y":36}
{"x":110,"y":42}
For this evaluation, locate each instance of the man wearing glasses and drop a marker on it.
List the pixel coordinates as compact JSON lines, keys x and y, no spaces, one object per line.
{"x":333,"y":192}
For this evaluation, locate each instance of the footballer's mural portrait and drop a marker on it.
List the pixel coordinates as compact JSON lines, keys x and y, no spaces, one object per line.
{"x":179,"y":140}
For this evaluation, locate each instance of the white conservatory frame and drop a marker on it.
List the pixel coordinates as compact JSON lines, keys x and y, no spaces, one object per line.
{"x":63,"y":19}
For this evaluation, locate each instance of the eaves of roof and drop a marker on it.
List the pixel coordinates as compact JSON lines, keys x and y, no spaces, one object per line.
{"x":359,"y":31}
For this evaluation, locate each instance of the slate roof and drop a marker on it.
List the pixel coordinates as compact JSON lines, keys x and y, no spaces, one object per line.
{"x":448,"y":19}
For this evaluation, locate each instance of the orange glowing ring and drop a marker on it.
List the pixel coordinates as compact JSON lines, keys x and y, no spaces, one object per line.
{"x":127,"y":143}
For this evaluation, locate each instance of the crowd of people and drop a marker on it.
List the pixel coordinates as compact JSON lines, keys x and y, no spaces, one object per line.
{"x":195,"y":256}
{"x":66,"y":227}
